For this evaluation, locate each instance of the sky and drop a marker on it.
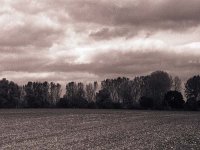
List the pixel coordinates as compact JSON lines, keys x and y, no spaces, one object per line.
{"x":89,"y":40}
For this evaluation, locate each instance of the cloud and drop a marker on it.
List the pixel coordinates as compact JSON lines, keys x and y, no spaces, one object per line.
{"x":37,"y":31}
{"x":86,"y":40}
{"x":107,"y":33}
{"x":115,"y":63}
{"x":148,"y":14}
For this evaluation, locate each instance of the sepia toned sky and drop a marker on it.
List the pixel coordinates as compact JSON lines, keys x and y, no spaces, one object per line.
{"x":87,"y":40}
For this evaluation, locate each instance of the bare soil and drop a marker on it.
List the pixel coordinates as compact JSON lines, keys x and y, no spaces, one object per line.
{"x":81,"y":129}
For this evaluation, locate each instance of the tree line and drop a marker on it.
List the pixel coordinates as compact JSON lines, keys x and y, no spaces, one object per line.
{"x":159,"y":90}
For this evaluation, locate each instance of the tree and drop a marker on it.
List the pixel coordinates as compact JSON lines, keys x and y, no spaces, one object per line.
{"x":80,"y":100}
{"x":29,"y":98}
{"x":55,"y":93}
{"x":22,"y":101}
{"x":146,"y":102}
{"x":192,"y":88}
{"x":191,"y":104}
{"x":110,"y":86}
{"x":71,"y":90}
{"x":45,"y":93}
{"x":62,"y":103}
{"x":80,"y":90}
{"x":37,"y":94}
{"x":4,"y":88}
{"x":136,"y":86}
{"x":174,"y":99}
{"x":90,"y":91}
{"x":177,"y":84}
{"x":103,"y":99}
{"x":119,"y":90}
{"x":160,"y":83}
{"x":13,"y":95}
{"x":9,"y":94}
{"x":75,"y":95}
{"x":123,"y":90}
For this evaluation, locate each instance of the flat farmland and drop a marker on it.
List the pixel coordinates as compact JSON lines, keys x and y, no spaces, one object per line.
{"x":79,"y":129}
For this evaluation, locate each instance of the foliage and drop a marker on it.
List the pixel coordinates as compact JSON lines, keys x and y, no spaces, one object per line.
{"x":146,"y":102}
{"x":174,"y":99}
{"x":177,"y":84}
{"x":103,"y":99}
{"x":192,"y":87}
{"x":9,"y":94}
{"x":155,"y":91}
{"x":159,"y":84}
{"x":191,"y":104}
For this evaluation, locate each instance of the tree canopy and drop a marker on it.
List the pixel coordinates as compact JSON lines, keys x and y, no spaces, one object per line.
{"x":158,"y":90}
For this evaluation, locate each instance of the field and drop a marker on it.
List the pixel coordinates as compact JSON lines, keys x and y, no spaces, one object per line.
{"x":98,"y":129}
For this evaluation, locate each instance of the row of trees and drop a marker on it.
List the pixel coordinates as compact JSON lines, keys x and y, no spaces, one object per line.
{"x":31,"y":95}
{"x":149,"y":91}
{"x":158,"y":90}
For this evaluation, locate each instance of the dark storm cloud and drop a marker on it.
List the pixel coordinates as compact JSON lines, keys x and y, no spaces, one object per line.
{"x":165,"y":14}
{"x":29,"y":35}
{"x":22,"y":62}
{"x":119,"y":63}
{"x":133,"y":63}
{"x":129,"y":64}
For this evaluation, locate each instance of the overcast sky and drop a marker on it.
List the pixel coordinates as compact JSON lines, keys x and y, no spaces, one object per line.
{"x":87,"y":40}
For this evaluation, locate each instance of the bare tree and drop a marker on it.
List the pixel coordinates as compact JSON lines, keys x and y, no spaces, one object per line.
{"x":71,"y":90}
{"x":91,"y":90}
{"x":55,"y":93}
{"x":109,"y":85}
{"x":177,"y":84}
{"x":80,"y":90}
